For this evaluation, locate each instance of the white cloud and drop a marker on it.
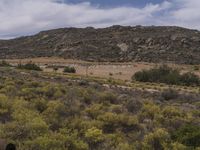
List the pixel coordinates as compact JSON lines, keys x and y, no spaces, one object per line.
{"x":23,"y":17}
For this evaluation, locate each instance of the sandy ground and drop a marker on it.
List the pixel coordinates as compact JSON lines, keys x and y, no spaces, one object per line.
{"x":122,"y":71}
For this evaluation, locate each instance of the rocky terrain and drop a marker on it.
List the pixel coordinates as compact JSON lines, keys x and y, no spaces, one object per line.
{"x":114,"y":44}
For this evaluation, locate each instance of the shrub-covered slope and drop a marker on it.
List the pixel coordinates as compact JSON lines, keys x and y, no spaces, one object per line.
{"x":40,"y":111}
{"x":117,"y":43}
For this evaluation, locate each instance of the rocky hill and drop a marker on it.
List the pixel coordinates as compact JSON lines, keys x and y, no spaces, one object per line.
{"x":116,"y":43}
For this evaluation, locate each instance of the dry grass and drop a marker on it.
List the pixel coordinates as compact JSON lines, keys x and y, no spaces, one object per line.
{"x":122,"y":71}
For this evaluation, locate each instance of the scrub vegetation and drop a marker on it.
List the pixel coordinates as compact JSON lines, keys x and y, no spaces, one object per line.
{"x":165,"y":74}
{"x":49,"y":111}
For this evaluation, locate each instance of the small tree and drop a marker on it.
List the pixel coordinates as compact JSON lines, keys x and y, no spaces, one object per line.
{"x":29,"y":66}
{"x":68,"y":69}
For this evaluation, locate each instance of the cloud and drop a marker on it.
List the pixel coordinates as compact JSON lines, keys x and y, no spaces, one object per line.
{"x":25,"y":17}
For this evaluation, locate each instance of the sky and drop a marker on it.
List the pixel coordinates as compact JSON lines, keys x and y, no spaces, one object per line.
{"x":27,"y":17}
{"x":112,"y":3}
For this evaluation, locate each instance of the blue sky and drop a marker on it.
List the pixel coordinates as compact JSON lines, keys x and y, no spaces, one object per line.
{"x":27,"y":17}
{"x":117,"y":3}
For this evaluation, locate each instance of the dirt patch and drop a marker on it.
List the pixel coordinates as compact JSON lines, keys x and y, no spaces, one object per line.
{"x":122,"y":71}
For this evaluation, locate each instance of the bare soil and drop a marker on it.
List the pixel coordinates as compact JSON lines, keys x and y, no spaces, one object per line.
{"x":123,"y":71}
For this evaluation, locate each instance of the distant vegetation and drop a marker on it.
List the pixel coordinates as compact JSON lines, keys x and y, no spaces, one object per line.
{"x":165,"y":74}
{"x":55,"y":68}
{"x":69,"y":69}
{"x":4,"y":63}
{"x":196,"y":68}
{"x":29,"y":66}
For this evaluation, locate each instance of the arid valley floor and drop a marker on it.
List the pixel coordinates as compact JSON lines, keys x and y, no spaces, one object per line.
{"x":123,"y":71}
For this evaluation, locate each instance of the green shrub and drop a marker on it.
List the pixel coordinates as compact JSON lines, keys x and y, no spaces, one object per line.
{"x":165,"y":74}
{"x":188,"y":135}
{"x":29,"y":66}
{"x":157,"y":140}
{"x":108,"y":97}
{"x":94,"y":135}
{"x":190,"y":79}
{"x":133,"y":105}
{"x":68,"y":69}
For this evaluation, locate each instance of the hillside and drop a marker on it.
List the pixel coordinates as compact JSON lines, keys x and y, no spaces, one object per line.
{"x":116,"y":43}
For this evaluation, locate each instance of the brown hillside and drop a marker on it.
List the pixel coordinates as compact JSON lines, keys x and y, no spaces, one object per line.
{"x":116,"y":43}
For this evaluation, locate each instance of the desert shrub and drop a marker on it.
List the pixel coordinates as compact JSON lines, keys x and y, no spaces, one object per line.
{"x":110,"y":74}
{"x":188,"y":135}
{"x":124,"y":146}
{"x":129,"y":123}
{"x":9,"y":90}
{"x":165,"y":74}
{"x":29,"y":66}
{"x":94,"y":111}
{"x":39,"y":104}
{"x":51,"y":115}
{"x":4,"y":108}
{"x":29,"y":93}
{"x":110,"y":120}
{"x":172,"y":117}
{"x":88,"y":96}
{"x":133,"y":105}
{"x":142,"y":76}
{"x":55,"y":114}
{"x":108,"y":97}
{"x":75,"y":143}
{"x":116,"y":109}
{"x":94,"y":135}
{"x":158,"y":140}
{"x":169,"y":94}
{"x":4,"y":63}
{"x":196,"y":68}
{"x":25,"y":124}
{"x":149,"y":111}
{"x":178,"y":146}
{"x":170,"y":112}
{"x":161,"y":74}
{"x":83,"y":83}
{"x":54,"y":141}
{"x":55,"y":68}
{"x":113,"y":121}
{"x":190,"y":79}
{"x":52,"y":92}
{"x":115,"y":142}
{"x":69,"y":69}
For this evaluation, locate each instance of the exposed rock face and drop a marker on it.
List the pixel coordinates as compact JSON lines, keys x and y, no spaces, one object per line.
{"x":116,"y":43}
